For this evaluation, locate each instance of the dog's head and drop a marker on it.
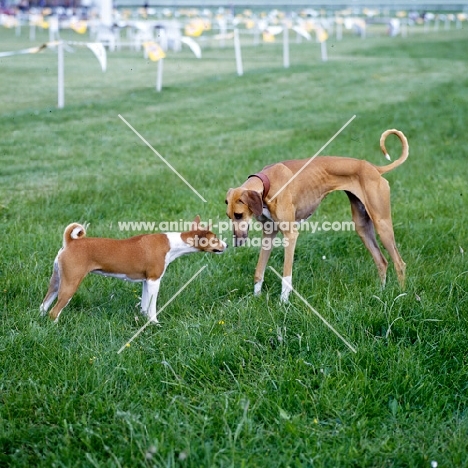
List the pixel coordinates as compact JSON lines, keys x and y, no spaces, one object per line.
{"x":242,"y":205}
{"x":202,"y":238}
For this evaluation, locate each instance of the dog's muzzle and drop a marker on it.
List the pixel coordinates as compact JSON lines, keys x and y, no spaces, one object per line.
{"x":240,"y":233}
{"x":240,"y":239}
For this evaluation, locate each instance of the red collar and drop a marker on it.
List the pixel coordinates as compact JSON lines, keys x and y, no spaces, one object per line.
{"x":266,"y":182}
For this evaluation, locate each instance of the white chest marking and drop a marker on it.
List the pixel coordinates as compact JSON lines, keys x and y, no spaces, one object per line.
{"x":266,"y":213}
{"x":177,"y":247}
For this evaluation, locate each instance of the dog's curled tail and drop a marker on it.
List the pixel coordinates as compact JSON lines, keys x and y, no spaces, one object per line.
{"x":72,"y":232}
{"x":404,"y":150}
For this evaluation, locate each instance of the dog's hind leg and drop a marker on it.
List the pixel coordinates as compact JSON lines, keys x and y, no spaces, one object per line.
{"x":53,"y":289}
{"x":365,"y":229}
{"x":378,"y":206}
{"x":69,"y":282}
{"x":385,"y":230}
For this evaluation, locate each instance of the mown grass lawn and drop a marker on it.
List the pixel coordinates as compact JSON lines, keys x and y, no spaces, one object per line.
{"x":230,"y":379}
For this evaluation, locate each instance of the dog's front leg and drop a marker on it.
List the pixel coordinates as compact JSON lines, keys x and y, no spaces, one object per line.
{"x":265,"y":252}
{"x":152,"y":297}
{"x":290,"y":238}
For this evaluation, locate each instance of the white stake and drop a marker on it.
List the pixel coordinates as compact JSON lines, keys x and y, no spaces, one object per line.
{"x":256,"y":33}
{"x":53,"y":28}
{"x":339,"y":31}
{"x":160,"y":75}
{"x":404,"y":28}
{"x":237,"y":49}
{"x":285,"y":45}
{"x":61,"y":93}
{"x":323,"y":48}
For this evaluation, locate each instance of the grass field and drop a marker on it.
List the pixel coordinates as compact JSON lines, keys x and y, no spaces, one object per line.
{"x":232,"y":380}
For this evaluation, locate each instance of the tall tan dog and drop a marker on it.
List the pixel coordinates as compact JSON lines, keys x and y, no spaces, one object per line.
{"x":285,"y":193}
{"x":141,"y":258}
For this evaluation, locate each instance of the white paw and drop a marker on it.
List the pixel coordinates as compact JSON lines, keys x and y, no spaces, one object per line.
{"x":284,"y":298}
{"x":286,"y":288}
{"x":258,"y":288}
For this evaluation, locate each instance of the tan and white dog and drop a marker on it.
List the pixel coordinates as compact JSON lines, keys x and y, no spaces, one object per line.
{"x":142,"y":258}
{"x":288,"y":192}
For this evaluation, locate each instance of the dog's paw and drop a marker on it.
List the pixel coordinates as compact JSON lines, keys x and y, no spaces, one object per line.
{"x":286,"y":288}
{"x":284,"y":298}
{"x":258,"y":288}
{"x":153,"y":319}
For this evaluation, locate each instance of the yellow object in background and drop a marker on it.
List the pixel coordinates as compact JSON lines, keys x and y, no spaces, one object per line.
{"x":322,"y":35}
{"x":154,"y":51}
{"x":79,"y":26}
{"x":268,"y":37}
{"x":195,"y":28}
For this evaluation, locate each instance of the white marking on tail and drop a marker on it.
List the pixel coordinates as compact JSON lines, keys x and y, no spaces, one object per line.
{"x":77,"y":232}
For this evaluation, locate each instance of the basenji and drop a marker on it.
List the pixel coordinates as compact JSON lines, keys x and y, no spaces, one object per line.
{"x":142,"y":258}
{"x":288,"y":192}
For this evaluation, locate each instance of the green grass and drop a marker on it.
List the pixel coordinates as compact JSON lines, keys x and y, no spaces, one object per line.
{"x":230,"y":379}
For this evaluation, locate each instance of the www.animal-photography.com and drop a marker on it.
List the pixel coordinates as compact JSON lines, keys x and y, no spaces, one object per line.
{"x":233,"y":235}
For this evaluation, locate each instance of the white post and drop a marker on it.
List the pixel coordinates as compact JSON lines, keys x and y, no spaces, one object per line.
{"x":105,"y":13}
{"x":237,"y":49}
{"x":160,"y":75}
{"x":222,"y":22}
{"x":323,"y":47}
{"x":32,"y":32}
{"x":256,"y":33}
{"x":339,"y":31}
{"x":61,"y":93}
{"x":285,"y":45}
{"x":404,"y":28}
{"x":53,"y":28}
{"x":105,"y":33}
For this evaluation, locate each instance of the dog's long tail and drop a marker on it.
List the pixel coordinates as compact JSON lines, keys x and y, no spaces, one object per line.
{"x":73,"y":231}
{"x":404,"y":150}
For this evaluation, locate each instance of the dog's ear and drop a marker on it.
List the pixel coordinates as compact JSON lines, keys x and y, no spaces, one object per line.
{"x":227,"y":195}
{"x":253,"y":200}
{"x":195,"y":223}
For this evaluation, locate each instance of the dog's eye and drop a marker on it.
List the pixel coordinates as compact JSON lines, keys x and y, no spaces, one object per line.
{"x":225,"y":201}
{"x":238,"y":215}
